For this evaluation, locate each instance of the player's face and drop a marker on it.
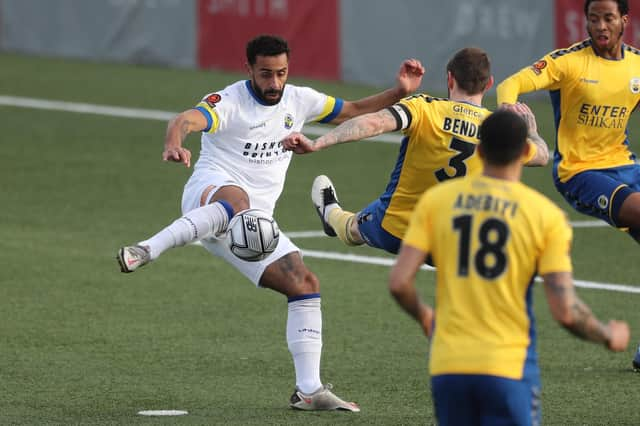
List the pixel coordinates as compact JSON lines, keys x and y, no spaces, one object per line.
{"x":269,"y":76}
{"x":605,"y":26}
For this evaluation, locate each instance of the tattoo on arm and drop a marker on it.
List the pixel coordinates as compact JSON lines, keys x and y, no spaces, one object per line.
{"x":185,"y":129}
{"x":585,"y":325}
{"x":542,"y":150}
{"x":576,"y":316}
{"x":558,"y":289}
{"x":361,"y":127}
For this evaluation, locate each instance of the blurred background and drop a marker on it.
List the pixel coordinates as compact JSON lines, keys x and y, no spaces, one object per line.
{"x":354,"y":41}
{"x":86,"y":89}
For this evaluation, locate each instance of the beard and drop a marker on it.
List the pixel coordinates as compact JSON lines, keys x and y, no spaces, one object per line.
{"x":269,"y":96}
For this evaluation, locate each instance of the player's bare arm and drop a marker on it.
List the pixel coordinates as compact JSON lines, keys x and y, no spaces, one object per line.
{"x":541,"y":157}
{"x":408,"y":80}
{"x":402,"y":286}
{"x":357,"y":128}
{"x":177,"y":130}
{"x":574,"y":315}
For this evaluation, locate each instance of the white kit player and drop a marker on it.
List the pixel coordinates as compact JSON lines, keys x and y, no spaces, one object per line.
{"x":242,"y":165}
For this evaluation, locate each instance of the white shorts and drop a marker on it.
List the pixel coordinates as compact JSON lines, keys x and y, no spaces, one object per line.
{"x":251,"y":270}
{"x":197,"y":183}
{"x":201,"y":180}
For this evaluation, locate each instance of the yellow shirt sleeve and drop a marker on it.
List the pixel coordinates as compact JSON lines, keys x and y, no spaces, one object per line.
{"x":543,"y":74}
{"x":533,"y":149}
{"x":556,"y":254}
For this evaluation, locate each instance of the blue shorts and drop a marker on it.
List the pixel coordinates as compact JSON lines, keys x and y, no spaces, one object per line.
{"x":600,"y":193}
{"x":467,"y":399}
{"x":370,"y":227}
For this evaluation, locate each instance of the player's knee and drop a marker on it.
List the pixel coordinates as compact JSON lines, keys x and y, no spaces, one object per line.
{"x":234,"y":195}
{"x":310,"y":282}
{"x":629,"y":212}
{"x":302,"y":282}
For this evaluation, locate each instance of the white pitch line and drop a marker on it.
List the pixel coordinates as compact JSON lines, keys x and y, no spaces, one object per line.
{"x":139,"y":113}
{"x":589,"y":224}
{"x":386,"y":261}
{"x":306,"y":234}
{"x":317,"y":234}
{"x":150,"y":114}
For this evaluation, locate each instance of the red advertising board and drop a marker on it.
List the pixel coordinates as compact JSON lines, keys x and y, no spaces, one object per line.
{"x":570,"y":23}
{"x":310,"y":27}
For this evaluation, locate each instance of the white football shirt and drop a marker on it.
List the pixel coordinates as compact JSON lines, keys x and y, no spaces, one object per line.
{"x":243,"y":137}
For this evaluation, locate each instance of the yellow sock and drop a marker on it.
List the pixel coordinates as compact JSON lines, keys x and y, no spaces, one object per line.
{"x":340,"y":220}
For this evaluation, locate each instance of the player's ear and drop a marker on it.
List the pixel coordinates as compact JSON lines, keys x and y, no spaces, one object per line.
{"x":526,"y":150}
{"x":489,"y":84}
{"x":480,"y":151}
{"x":249,"y":69}
{"x":450,"y":80}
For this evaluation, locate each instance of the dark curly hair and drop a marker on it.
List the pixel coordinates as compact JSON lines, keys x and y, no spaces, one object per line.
{"x":266,"y":45}
{"x":623,"y":7}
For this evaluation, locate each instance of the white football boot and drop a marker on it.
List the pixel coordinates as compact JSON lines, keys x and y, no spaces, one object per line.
{"x":320,"y":400}
{"x":131,"y":258}
{"x":323,"y":194}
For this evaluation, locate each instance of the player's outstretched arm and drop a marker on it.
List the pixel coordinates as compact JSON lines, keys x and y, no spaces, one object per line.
{"x":299,"y":143}
{"x":574,"y":315}
{"x":408,"y":80}
{"x":402,"y":286}
{"x":177,"y":130}
{"x":540,"y":149}
{"x":357,"y":128}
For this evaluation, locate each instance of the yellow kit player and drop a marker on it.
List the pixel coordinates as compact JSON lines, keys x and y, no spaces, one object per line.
{"x":489,"y":234}
{"x":439,"y":144}
{"x":594,"y":87}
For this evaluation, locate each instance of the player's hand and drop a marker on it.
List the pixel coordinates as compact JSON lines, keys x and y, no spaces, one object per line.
{"x":525,"y":112}
{"x":619,"y":332}
{"x":299,"y":143}
{"x":426,"y":319}
{"x":409,"y":77}
{"x":177,"y":154}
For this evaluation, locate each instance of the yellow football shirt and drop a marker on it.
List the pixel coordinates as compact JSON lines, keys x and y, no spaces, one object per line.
{"x":488,"y":238}
{"x":440,"y":143}
{"x":592,"y":98}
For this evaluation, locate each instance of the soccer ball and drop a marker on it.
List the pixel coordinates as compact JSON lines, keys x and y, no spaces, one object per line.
{"x":252,"y":235}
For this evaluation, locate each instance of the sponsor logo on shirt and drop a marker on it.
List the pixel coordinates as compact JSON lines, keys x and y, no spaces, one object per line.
{"x":257,"y":126}
{"x":634,"y":85}
{"x":264,"y":152}
{"x":602,"y":116}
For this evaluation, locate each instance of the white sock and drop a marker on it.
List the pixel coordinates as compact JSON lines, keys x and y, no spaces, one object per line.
{"x":328,"y":208}
{"x":197,"y":224}
{"x":304,"y":337}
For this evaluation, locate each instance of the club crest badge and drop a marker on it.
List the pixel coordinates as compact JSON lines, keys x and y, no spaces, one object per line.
{"x":634,"y":85}
{"x":539,"y":66}
{"x":288,"y":121}
{"x":213,"y":99}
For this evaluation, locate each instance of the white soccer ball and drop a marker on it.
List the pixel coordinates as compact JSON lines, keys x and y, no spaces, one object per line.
{"x":252,"y":235}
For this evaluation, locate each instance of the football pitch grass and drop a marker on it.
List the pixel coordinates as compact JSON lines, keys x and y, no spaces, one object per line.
{"x":82,"y":343}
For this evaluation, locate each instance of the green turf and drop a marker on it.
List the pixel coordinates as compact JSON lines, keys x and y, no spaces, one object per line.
{"x":81,"y":343}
